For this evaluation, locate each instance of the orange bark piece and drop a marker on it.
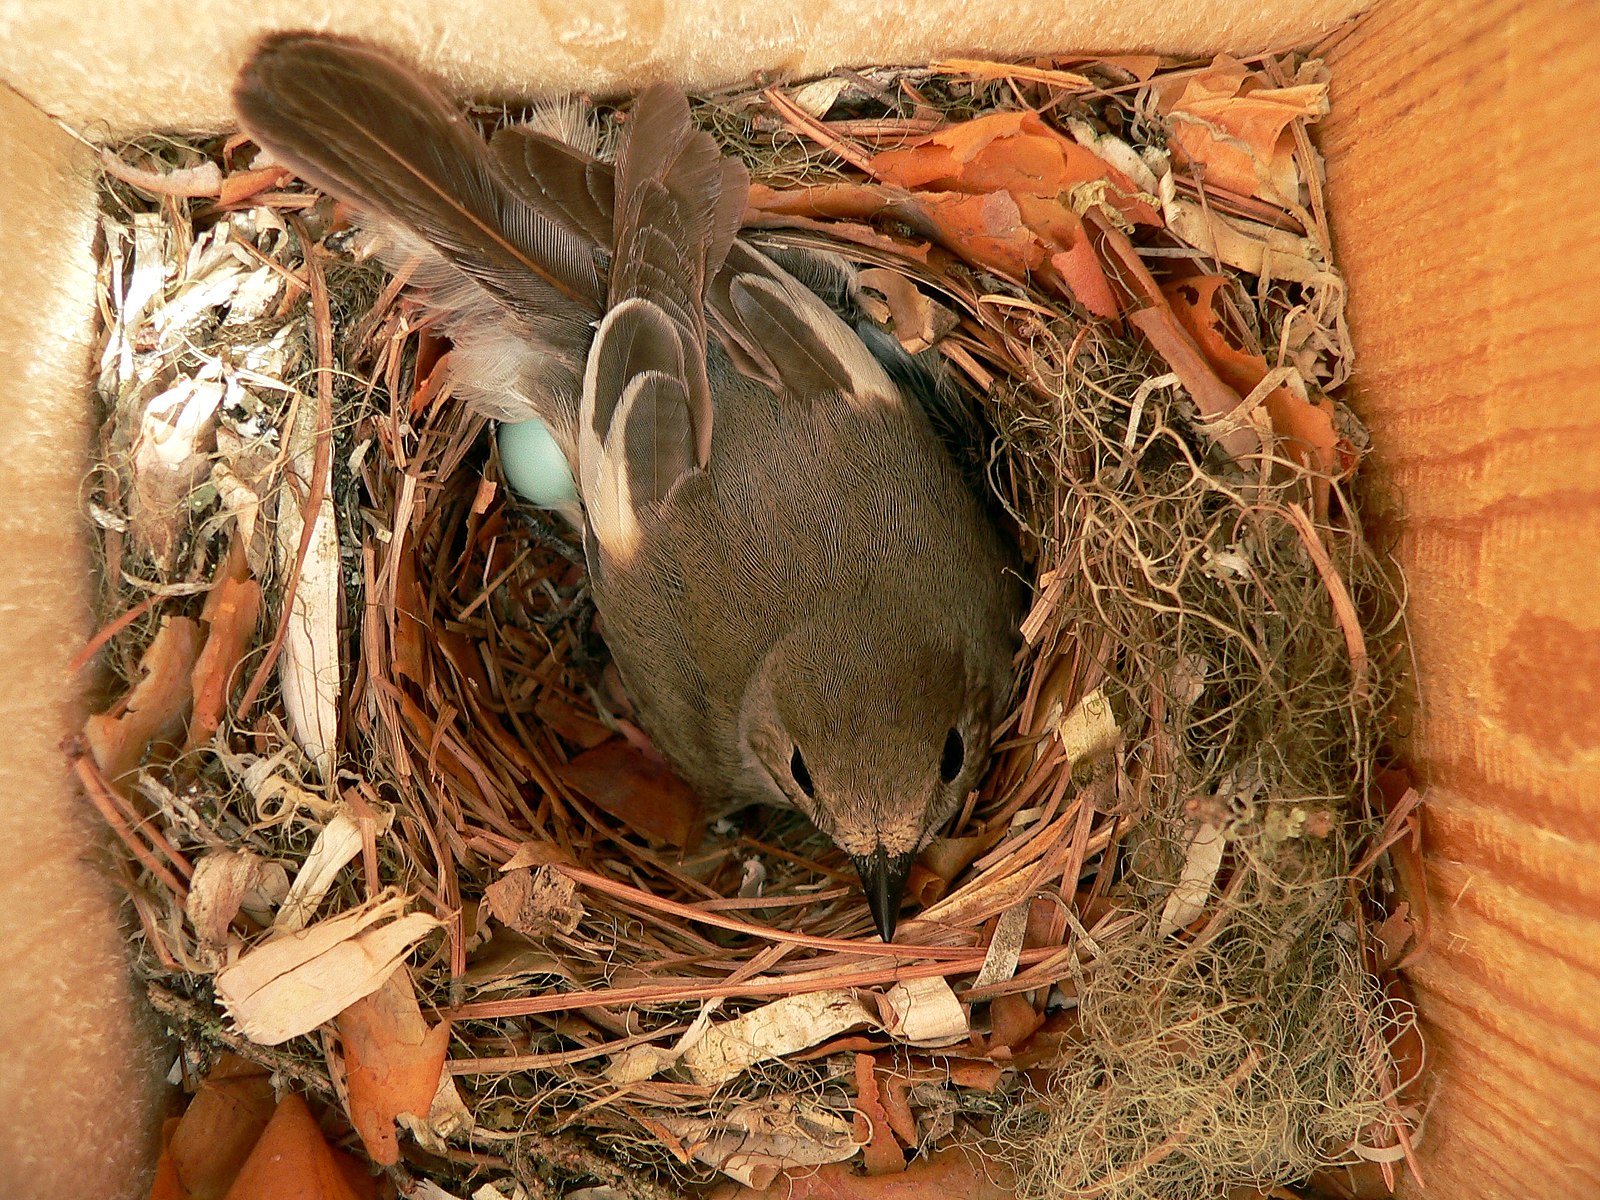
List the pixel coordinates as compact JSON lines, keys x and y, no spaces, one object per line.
{"x":1406,"y":857}
{"x":638,"y":791}
{"x":1049,"y":1046}
{"x":204,"y":1149}
{"x":393,"y":1062}
{"x":579,"y":728}
{"x":970,"y":1073}
{"x":431,"y":350}
{"x":166,"y":1185}
{"x":848,"y":1043}
{"x":409,"y":633}
{"x":233,"y":605}
{"x":1237,"y":128}
{"x":1140,"y":66}
{"x":993,"y":190}
{"x":934,"y":163}
{"x":427,"y":388}
{"x":894,"y":1096}
{"x":1014,"y":152}
{"x":293,"y":1161}
{"x":881,"y":1153}
{"x":1393,"y":934}
{"x":1021,"y":236}
{"x":954,"y":1174}
{"x":1150,"y":312}
{"x":154,"y":708}
{"x":841,"y":201}
{"x":924,"y":885}
{"x":986,"y":229}
{"x":242,"y":185}
{"x":1227,"y":167}
{"x":1213,"y":397}
{"x":1195,"y":304}
{"x":1080,"y":271}
{"x":1012,"y":1021}
{"x":912,"y":315}
{"x":1023,"y":165}
{"x":1071,"y":266}
{"x":1305,"y":427}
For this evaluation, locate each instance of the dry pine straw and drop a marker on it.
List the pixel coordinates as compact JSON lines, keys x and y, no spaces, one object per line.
{"x":1223,"y":612}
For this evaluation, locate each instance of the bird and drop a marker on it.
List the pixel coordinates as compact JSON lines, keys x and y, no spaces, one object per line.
{"x":807,"y":599}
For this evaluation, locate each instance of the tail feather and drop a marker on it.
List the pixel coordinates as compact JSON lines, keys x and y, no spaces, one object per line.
{"x":559,"y":178}
{"x":352,"y":121}
{"x":525,"y":243}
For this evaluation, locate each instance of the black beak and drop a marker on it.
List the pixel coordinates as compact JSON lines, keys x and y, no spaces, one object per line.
{"x":884,"y":879}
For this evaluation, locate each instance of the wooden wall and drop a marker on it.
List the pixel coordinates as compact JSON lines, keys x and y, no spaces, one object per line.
{"x":1464,"y":197}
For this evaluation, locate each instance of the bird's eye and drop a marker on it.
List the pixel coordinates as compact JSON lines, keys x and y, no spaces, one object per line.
{"x":955,"y":754}
{"x":802,"y":777}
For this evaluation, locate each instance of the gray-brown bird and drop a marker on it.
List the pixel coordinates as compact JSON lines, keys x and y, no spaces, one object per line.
{"x":805,"y":598}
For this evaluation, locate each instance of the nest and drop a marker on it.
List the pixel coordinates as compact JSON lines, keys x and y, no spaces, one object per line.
{"x":1152,"y":957}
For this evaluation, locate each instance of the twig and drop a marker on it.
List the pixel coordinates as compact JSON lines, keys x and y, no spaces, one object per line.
{"x":690,"y":912}
{"x":1344,"y":608}
{"x":986,"y":70}
{"x":99,"y":793}
{"x":209,"y":1024}
{"x":674,"y":992}
{"x":804,"y":123}
{"x":93,"y":645}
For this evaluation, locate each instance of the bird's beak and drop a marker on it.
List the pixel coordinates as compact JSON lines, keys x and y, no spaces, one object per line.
{"x":884,"y":879}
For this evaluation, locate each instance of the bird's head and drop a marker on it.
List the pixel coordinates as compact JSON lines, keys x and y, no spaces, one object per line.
{"x":877,"y":740}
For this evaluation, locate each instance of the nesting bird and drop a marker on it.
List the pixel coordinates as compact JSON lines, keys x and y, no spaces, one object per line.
{"x":806,"y":599}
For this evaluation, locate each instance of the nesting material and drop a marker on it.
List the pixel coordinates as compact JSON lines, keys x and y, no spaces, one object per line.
{"x":390,"y":833}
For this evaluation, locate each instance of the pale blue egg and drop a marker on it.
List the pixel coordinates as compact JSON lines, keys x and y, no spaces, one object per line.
{"x":534,"y":465}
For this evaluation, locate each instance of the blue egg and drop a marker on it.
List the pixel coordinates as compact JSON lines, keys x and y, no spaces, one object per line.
{"x":535,"y":466}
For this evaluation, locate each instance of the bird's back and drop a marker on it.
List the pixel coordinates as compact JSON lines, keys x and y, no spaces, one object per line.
{"x":813,"y":513}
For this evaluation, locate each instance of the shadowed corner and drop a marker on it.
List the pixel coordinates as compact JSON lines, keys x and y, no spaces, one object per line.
{"x":883,"y":878}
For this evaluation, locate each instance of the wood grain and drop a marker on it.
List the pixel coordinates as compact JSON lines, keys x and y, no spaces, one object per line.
{"x":81,"y":1088}
{"x":1465,"y":214}
{"x":122,"y":67}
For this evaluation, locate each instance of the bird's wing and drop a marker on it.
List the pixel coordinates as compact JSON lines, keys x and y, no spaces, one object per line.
{"x":921,"y":379}
{"x":522,"y":245}
{"x":646,"y":414}
{"x":783,"y":333}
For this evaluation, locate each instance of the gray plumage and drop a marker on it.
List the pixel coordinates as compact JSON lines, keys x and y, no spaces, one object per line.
{"x":804,"y":596}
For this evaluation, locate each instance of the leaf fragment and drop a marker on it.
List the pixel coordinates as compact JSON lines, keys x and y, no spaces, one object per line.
{"x":536,"y":903}
{"x":639,"y":791}
{"x":925,"y":1012}
{"x":225,"y":883}
{"x":292,"y":984}
{"x":293,"y":1161}
{"x":232,"y":608}
{"x":1202,"y":859}
{"x":756,"y":1142}
{"x":393,"y":1062}
{"x":209,"y":1144}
